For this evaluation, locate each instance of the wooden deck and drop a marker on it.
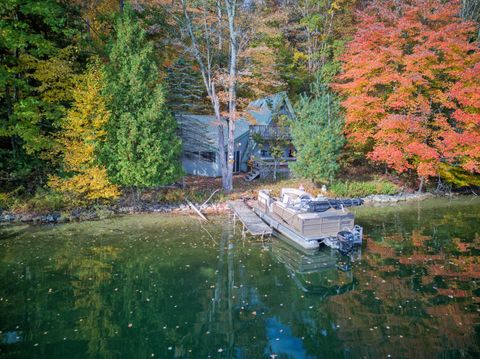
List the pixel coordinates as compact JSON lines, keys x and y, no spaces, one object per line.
{"x":251,"y":222}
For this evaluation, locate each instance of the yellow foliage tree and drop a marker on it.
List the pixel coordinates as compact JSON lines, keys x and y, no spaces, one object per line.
{"x":85,"y":180}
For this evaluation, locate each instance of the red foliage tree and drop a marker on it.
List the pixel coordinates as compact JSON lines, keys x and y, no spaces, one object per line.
{"x":463,"y":146}
{"x":411,"y":83}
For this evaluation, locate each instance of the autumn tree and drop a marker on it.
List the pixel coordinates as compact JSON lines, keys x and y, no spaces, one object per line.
{"x":39,"y":57}
{"x":97,"y":18}
{"x":142,"y":148}
{"x":317,"y":24}
{"x":461,"y":148}
{"x":470,"y":10}
{"x":397,"y":78}
{"x":309,"y":32}
{"x":84,"y":179}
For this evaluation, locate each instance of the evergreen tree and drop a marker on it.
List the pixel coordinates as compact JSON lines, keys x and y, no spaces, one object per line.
{"x":317,"y":135}
{"x":185,"y":88}
{"x":142,"y":148}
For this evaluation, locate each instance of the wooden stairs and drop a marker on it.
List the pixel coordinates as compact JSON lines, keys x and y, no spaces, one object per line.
{"x":250,"y":176}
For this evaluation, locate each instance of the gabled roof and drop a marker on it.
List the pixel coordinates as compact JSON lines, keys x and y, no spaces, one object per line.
{"x":262,"y":110}
{"x":200,"y":132}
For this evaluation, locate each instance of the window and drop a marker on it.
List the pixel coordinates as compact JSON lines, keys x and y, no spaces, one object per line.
{"x":264,"y":153}
{"x":207,"y":156}
{"x":190,"y":155}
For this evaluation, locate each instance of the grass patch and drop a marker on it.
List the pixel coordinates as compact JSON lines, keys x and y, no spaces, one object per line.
{"x":178,"y":195}
{"x":362,"y":189}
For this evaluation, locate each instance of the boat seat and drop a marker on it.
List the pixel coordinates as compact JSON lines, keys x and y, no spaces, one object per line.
{"x":293,"y":196}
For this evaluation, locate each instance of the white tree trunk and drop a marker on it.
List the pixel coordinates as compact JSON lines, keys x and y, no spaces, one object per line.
{"x":232,"y":91}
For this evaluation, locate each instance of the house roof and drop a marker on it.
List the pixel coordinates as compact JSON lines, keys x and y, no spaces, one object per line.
{"x":262,"y":110}
{"x":200,"y":132}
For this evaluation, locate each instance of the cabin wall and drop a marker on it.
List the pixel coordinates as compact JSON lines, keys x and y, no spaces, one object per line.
{"x":194,"y":165}
{"x":200,"y":168}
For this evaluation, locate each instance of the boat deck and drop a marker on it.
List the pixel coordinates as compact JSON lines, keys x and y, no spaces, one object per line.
{"x":280,"y":226}
{"x":251,"y":222}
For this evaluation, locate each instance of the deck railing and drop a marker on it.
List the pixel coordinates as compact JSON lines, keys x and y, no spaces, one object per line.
{"x":270,"y":132}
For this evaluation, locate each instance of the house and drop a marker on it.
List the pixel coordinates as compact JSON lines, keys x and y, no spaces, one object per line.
{"x":199,"y":135}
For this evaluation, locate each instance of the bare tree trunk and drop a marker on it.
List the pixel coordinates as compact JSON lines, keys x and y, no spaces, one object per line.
{"x":207,"y":76}
{"x":219,"y":28}
{"x":232,"y":91}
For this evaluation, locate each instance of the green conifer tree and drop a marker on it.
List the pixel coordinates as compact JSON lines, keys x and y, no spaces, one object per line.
{"x":142,"y":148}
{"x":317,"y":135}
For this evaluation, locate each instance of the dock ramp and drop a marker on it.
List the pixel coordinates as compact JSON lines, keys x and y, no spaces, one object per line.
{"x":251,"y":222}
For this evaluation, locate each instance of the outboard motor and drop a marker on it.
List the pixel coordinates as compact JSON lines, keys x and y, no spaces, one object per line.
{"x":357,"y":234}
{"x":345,"y":241}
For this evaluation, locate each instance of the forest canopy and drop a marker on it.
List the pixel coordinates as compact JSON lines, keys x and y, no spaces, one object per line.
{"x":89,"y":88}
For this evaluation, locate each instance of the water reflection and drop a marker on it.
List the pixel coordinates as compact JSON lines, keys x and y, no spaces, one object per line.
{"x":324,"y":273}
{"x":11,"y":337}
{"x":170,"y":287}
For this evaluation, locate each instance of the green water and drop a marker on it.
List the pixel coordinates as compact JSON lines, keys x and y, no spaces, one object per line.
{"x":157,"y":286}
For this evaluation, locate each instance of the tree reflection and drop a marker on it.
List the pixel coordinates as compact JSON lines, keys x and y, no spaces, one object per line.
{"x":171,"y":287}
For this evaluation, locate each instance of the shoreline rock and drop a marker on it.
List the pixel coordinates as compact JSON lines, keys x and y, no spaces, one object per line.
{"x":89,"y":214}
{"x":375,"y":199}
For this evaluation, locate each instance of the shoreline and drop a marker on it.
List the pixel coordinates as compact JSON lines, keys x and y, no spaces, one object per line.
{"x":105,"y":212}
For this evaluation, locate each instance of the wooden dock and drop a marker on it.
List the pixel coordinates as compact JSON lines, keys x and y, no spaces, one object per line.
{"x":251,"y":222}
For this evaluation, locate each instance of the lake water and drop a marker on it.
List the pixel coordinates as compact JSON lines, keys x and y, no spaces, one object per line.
{"x":169,"y":287}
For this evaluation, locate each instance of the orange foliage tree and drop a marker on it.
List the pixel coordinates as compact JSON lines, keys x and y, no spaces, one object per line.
{"x":463,"y":146}
{"x":410,"y":80}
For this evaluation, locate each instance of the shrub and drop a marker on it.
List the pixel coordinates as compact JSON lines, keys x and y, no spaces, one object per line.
{"x":41,"y":202}
{"x":362,"y":189}
{"x":6,"y":201}
{"x":103,"y":212}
